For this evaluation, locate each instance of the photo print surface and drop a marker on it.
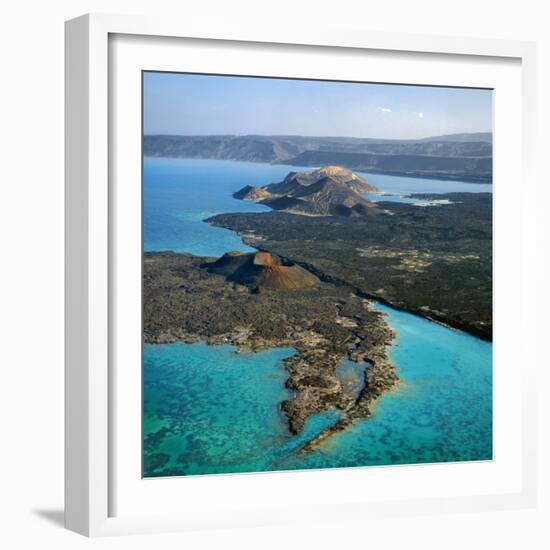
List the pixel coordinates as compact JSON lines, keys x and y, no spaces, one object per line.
{"x":317,"y":274}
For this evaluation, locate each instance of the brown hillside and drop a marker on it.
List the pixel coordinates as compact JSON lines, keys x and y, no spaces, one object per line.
{"x":262,"y":270}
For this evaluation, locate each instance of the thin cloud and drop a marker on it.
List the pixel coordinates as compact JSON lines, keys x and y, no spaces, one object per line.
{"x":420,"y":114}
{"x":385,"y":109}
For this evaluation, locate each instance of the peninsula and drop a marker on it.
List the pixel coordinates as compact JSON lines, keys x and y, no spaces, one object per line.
{"x":258,"y":301}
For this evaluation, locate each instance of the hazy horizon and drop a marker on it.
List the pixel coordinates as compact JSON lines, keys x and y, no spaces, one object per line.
{"x":201,"y":105}
{"x":313,"y":136}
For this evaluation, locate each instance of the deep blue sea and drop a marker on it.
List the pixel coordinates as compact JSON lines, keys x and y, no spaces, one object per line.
{"x":178,"y":194}
{"x":209,"y":409}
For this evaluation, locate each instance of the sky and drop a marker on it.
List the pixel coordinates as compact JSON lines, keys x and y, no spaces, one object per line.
{"x":188,"y":104}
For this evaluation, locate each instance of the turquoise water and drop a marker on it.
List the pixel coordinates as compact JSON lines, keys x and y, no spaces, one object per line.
{"x":208,"y":409}
{"x":405,"y":199}
{"x":399,"y":188}
{"x":404,"y":186}
{"x":352,"y":376}
{"x":178,"y":194}
{"x":375,"y":197}
{"x":441,"y":411}
{"x":211,"y":410}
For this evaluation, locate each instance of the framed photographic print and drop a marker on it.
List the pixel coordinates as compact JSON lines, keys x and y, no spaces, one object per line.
{"x":290,"y":258}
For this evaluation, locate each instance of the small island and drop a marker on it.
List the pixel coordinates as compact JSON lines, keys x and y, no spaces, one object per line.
{"x":328,"y":191}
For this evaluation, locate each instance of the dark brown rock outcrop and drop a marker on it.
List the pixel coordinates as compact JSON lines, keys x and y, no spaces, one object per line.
{"x":328,"y":191}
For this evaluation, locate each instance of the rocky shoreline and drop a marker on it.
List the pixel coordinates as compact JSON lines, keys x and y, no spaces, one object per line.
{"x":184,"y":302}
{"x":435,"y":262}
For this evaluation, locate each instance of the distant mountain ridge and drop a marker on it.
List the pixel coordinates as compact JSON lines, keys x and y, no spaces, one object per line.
{"x":328,"y":191}
{"x":463,"y":138}
{"x":455,"y":156}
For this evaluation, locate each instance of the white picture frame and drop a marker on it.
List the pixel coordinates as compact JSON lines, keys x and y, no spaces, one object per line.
{"x":90,"y":218}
